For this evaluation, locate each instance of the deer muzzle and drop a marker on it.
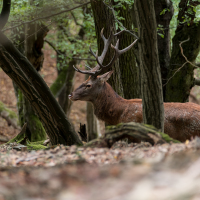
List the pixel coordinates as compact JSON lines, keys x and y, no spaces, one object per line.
{"x":71,"y":97}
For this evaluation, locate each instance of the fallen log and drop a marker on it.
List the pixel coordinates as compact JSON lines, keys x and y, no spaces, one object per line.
{"x":135,"y":133}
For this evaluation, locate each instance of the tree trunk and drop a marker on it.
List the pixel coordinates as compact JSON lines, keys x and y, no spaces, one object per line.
{"x":127,"y":62}
{"x":104,"y":18}
{"x":68,"y":87}
{"x":91,"y":123}
{"x":181,"y":77}
{"x":164,"y":12}
{"x":151,"y":85}
{"x":35,"y":89}
{"x":62,"y":132}
{"x":31,"y":45}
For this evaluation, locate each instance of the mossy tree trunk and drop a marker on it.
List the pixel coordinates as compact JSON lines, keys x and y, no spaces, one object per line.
{"x":151,"y":86}
{"x":180,"y":76}
{"x":63,"y":100}
{"x":31,"y":44}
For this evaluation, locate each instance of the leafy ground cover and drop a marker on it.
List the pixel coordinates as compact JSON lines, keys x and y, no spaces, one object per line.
{"x":141,"y":171}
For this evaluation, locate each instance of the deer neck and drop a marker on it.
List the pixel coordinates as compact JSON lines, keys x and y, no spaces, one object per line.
{"x":108,"y":105}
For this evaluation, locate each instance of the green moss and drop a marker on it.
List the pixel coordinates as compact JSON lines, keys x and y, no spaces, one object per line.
{"x":59,"y":82}
{"x":149,"y":128}
{"x":11,"y":113}
{"x":167,"y":138}
{"x":36,"y":145}
{"x":30,"y":145}
{"x":37,"y":130}
{"x":114,"y":126}
{"x":18,"y":139}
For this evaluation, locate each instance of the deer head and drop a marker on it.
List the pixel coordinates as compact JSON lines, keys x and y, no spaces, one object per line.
{"x":89,"y":90}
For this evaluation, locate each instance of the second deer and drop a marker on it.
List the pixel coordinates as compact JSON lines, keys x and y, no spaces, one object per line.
{"x":182,"y":120}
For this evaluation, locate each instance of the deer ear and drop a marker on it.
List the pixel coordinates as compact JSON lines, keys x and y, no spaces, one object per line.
{"x":105,"y":76}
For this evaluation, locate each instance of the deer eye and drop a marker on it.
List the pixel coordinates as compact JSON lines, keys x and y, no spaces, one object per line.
{"x":88,"y":86}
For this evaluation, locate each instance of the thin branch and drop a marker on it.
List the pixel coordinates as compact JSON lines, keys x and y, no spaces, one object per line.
{"x":187,"y":61}
{"x":125,"y":29}
{"x":58,"y":52}
{"x":52,"y":46}
{"x":35,"y":33}
{"x":197,"y":81}
{"x":197,"y":64}
{"x":40,"y":18}
{"x":76,"y":20}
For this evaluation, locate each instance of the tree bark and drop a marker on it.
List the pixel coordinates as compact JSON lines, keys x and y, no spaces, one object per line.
{"x":166,"y":8}
{"x":151,"y":86}
{"x":127,"y":62}
{"x":91,"y":123}
{"x":104,"y":18}
{"x":68,"y":87}
{"x":12,"y":69}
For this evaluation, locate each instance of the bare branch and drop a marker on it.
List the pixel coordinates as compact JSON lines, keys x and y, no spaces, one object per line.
{"x":197,"y":65}
{"x":197,"y":81}
{"x":58,"y":52}
{"x":46,"y":17}
{"x":187,"y":61}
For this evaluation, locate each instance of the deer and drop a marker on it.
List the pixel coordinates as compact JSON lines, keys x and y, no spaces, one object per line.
{"x":182,"y":120}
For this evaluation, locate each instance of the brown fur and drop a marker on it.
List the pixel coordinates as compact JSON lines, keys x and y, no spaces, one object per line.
{"x":182,"y":120}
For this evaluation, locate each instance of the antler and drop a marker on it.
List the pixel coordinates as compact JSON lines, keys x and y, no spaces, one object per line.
{"x":100,"y":68}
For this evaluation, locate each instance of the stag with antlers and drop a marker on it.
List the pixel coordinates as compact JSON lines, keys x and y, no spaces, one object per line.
{"x":182,"y":120}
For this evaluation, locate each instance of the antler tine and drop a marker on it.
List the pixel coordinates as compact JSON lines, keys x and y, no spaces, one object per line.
{"x":92,"y":52}
{"x":103,"y":68}
{"x":102,"y":36}
{"x":106,"y":44}
{"x":88,"y":67}
{"x":119,"y":52}
{"x":84,"y":72}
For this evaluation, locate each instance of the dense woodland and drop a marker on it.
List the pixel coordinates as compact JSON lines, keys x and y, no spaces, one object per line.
{"x":161,"y":67}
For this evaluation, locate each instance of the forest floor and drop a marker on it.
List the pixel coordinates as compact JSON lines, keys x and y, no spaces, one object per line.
{"x":126,"y":171}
